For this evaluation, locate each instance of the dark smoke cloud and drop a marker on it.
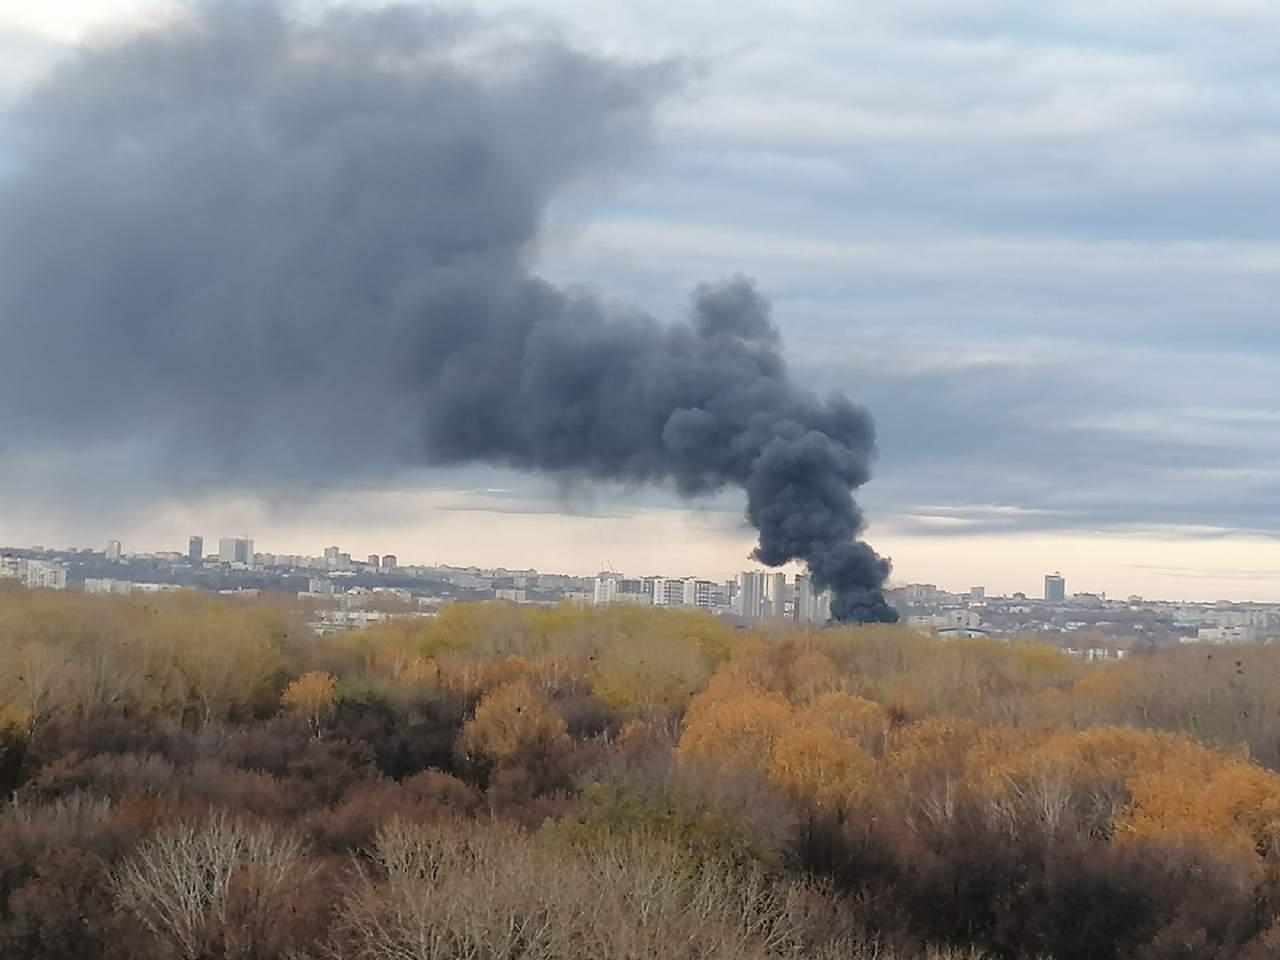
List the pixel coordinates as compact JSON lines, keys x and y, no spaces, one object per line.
{"x":296,"y":248}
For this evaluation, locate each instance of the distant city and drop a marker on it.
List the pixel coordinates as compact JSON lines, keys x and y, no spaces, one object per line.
{"x":350,"y":592}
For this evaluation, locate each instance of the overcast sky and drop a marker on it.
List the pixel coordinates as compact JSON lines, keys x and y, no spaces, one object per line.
{"x":1038,"y":242}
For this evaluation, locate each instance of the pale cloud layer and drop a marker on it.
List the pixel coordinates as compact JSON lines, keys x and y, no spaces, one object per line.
{"x":1041,"y":242}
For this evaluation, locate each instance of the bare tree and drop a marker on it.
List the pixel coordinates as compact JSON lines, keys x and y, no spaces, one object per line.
{"x":179,"y":884}
{"x":491,"y":893}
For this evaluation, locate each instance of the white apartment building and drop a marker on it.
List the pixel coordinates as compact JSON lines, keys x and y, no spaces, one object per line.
{"x":749,"y":603}
{"x":236,"y":550}
{"x":667,"y":593}
{"x":35,"y":574}
{"x":606,"y":589}
{"x":776,"y":599}
{"x":107,"y":585}
{"x":811,"y":606}
{"x":697,"y":593}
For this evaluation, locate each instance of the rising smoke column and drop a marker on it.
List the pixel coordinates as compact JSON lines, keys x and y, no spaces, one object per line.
{"x":286,"y":247}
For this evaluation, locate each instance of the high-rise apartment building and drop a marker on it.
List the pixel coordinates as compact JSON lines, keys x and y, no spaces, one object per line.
{"x":1055,"y":587}
{"x":776,"y":605}
{"x":236,"y":550}
{"x":668,"y":593}
{"x":195,"y":551}
{"x":810,"y":605}
{"x":761,"y":595}
{"x":749,"y":602}
{"x":696,"y":593}
{"x":606,"y":589}
{"x":47,"y":574}
{"x":113,"y":550}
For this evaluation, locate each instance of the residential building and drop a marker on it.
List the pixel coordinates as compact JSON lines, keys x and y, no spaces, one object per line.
{"x":606,"y":589}
{"x":236,"y":550}
{"x":667,"y":593}
{"x":45,"y":574}
{"x":1055,"y":588}
{"x":195,"y":550}
{"x":749,"y":603}
{"x":697,"y":593}
{"x":776,"y":599}
{"x":811,"y":606}
{"x":107,"y":585}
{"x":634,"y":591}
{"x":113,"y":551}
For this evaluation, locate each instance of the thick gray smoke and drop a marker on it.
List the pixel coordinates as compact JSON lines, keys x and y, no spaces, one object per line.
{"x":297,"y":247}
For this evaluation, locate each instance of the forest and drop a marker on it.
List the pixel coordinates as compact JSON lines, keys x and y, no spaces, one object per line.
{"x":199,"y":777}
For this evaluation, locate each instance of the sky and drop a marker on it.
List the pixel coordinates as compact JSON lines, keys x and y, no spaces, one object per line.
{"x":1040,"y":245}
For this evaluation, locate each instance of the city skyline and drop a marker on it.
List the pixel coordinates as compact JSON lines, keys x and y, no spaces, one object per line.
{"x":668,"y":562}
{"x":1054,"y":295}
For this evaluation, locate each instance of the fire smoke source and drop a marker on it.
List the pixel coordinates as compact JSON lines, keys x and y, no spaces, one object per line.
{"x":297,"y":246}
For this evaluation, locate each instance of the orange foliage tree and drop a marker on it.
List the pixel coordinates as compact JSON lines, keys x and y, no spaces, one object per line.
{"x":513,"y":720}
{"x":311,"y":697}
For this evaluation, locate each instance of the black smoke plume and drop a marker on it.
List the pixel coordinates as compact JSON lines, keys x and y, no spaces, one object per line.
{"x":295,"y":247}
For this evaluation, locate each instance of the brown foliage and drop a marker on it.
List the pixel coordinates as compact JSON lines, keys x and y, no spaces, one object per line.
{"x":833,"y":784}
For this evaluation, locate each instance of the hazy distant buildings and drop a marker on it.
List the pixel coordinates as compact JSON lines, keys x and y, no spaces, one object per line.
{"x":610,"y":587}
{"x":763,"y":595}
{"x":374,"y":561}
{"x":13,"y":568}
{"x":697,"y":593}
{"x":336,"y":559}
{"x":667,"y":593}
{"x":236,"y":550}
{"x":1055,"y":587}
{"x":104,"y":585}
{"x":35,"y":574}
{"x":811,"y":606}
{"x":749,"y":603}
{"x":388,"y":561}
{"x":920,"y":594}
{"x":113,"y":550}
{"x":46,"y":574}
{"x":634,"y":591}
{"x":195,"y":551}
{"x":606,"y":589}
{"x":776,"y":595}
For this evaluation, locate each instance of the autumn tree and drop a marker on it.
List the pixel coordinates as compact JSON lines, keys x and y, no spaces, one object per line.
{"x":512,"y":721}
{"x":659,"y":674}
{"x":734,"y":725}
{"x":311,"y":697}
{"x":213,"y":888}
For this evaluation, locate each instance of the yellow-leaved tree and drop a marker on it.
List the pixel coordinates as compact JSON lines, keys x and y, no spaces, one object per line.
{"x":311,"y":697}
{"x":734,"y":725}
{"x":512,"y":721}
